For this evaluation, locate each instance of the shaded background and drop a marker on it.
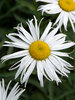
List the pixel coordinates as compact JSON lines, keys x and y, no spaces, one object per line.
{"x":13,"y":12}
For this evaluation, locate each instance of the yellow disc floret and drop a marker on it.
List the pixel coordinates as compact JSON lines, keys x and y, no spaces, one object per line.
{"x":67,"y":5}
{"x":39,"y":50}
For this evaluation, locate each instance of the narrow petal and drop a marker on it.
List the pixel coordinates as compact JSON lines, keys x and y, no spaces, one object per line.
{"x":16,"y":45}
{"x":25,"y":62}
{"x":44,"y":35}
{"x":32,"y":29}
{"x":24,"y":32}
{"x":65,"y":20}
{"x":15,"y":55}
{"x":63,"y":46}
{"x":29,"y":71}
{"x":60,"y":53}
{"x":40,"y":75}
{"x":72,"y":23}
{"x":51,"y":34}
{"x":59,"y":67}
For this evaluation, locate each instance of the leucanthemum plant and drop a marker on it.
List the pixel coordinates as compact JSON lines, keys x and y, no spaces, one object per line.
{"x":65,"y":8}
{"x":40,"y":52}
{"x":13,"y":94}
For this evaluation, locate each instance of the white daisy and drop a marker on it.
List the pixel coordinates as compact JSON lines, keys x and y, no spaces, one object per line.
{"x":65,"y":8}
{"x":13,"y":94}
{"x":41,"y":52}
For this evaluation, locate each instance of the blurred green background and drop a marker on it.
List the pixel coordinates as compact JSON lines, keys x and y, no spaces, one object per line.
{"x":13,"y":12}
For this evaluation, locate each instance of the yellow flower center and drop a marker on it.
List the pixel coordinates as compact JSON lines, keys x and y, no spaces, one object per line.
{"x":39,"y":50}
{"x":67,"y":5}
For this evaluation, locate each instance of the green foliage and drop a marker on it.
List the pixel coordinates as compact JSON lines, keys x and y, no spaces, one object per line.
{"x":13,"y":12}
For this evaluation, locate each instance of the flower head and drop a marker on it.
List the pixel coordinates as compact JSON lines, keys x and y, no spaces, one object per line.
{"x":65,"y":8}
{"x":40,"y":52}
{"x":14,"y":93}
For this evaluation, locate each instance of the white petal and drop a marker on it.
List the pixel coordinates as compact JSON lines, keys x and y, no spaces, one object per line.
{"x":25,"y":62}
{"x":60,"y":53}
{"x":15,"y":55}
{"x":37,"y":31}
{"x":51,"y":9}
{"x":14,"y":66}
{"x":57,"y":40}
{"x":49,"y":74}
{"x":29,"y":71}
{"x":24,"y":32}
{"x":65,"y":20}
{"x":59,"y":19}
{"x":72,"y":23}
{"x":50,"y":70}
{"x":41,"y":68}
{"x":59,"y":67}
{"x":54,"y":11}
{"x":63,"y":62}
{"x":46,"y":31}
{"x":40,"y":75}
{"x":63,"y":46}
{"x":51,"y":34}
{"x":16,"y":45}
{"x":14,"y":39}
{"x":32,"y":29}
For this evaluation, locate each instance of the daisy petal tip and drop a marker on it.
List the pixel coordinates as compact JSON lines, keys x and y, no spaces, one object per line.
{"x":57,"y":82}
{"x":34,"y":17}
{"x":23,"y":90}
{"x":3,"y":60}
{"x":41,"y":84}
{"x":65,"y":27}
{"x":16,"y":76}
{"x":10,"y":69}
{"x":73,"y":43}
{"x":7,"y":35}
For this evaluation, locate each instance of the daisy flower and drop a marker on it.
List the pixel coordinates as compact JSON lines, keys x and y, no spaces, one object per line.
{"x":40,"y":52}
{"x":65,"y":8}
{"x":13,"y":94}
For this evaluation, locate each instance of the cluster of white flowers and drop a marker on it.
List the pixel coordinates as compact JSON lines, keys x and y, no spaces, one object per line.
{"x":44,"y":52}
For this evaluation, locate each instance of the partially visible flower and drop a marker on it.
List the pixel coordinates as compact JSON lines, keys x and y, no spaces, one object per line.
{"x":65,"y":8}
{"x":13,"y":94}
{"x":41,"y":52}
